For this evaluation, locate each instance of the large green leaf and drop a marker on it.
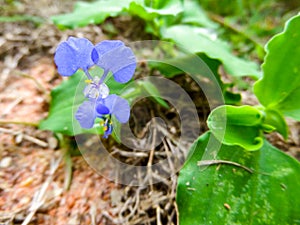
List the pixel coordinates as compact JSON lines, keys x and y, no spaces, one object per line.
{"x":225,"y":191}
{"x":90,"y":13}
{"x":279,"y":88}
{"x":194,"y":40}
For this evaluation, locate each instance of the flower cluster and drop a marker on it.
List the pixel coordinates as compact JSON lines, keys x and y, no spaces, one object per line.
{"x":112,"y":56}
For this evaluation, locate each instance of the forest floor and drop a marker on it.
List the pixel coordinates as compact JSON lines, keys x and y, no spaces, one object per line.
{"x":33,"y":174}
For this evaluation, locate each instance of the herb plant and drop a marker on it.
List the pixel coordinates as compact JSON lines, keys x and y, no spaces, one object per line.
{"x":232,"y":175}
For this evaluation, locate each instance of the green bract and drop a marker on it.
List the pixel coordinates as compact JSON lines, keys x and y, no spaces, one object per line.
{"x":244,"y":126}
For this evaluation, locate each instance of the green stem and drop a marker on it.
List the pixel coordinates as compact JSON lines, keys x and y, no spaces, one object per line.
{"x":64,"y":146}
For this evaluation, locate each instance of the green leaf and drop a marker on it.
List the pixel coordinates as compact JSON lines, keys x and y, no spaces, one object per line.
{"x":279,"y":88}
{"x":150,"y":12}
{"x":171,"y":68}
{"x":60,"y":118}
{"x":194,"y":14}
{"x":194,"y":40}
{"x":90,"y":13}
{"x":244,"y":126}
{"x":227,"y":193}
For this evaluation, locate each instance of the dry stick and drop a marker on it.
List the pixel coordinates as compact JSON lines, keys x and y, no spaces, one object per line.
{"x":25,"y":136}
{"x":215,"y":162}
{"x":167,"y":145}
{"x":19,"y":123}
{"x":158,"y":218}
{"x":171,"y":138}
{"x":151,"y":156}
{"x":11,"y":106}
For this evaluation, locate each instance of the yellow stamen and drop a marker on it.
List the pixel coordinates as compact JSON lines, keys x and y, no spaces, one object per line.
{"x":88,"y":81}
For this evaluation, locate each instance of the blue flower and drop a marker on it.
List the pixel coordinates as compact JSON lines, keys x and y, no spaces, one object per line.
{"x":111,"y":55}
{"x":103,"y":108}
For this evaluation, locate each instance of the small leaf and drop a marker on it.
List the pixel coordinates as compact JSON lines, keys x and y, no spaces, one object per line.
{"x":227,"y":193}
{"x":279,"y":89}
{"x":153,"y":92}
{"x":242,"y":126}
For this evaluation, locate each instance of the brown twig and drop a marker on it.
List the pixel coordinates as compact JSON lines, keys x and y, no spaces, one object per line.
{"x":216,"y":162}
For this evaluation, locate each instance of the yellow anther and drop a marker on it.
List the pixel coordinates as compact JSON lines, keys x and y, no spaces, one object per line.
{"x":105,"y":128}
{"x":88,"y":81}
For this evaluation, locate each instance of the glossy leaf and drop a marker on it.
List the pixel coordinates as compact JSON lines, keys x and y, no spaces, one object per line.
{"x":244,"y":126}
{"x":279,"y":89}
{"x":195,"y":40}
{"x":211,"y":192}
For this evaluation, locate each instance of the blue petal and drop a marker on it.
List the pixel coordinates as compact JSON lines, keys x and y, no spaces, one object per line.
{"x":73,"y":54}
{"x":86,"y":114}
{"x":114,"y":56}
{"x":118,"y":107}
{"x":64,"y":59}
{"x":102,"y":109}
